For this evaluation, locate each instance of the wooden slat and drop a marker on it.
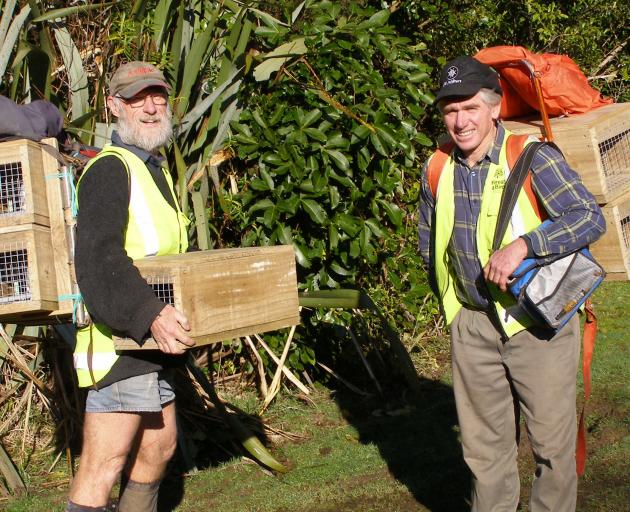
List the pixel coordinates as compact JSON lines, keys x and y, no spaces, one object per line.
{"x":612,"y":250}
{"x":228,"y":292}
{"x":58,"y":228}
{"x":595,"y":144}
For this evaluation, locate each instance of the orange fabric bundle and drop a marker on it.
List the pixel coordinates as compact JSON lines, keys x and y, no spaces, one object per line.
{"x":565,"y":88}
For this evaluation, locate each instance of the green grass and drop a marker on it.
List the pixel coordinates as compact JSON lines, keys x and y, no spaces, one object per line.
{"x":397,"y":454}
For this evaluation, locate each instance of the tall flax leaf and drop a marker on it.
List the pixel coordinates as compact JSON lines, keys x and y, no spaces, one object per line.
{"x":180,"y":166}
{"x":76,"y":72}
{"x":194,"y":61}
{"x":37,"y":67}
{"x":5,"y":20}
{"x":176,"y":42}
{"x":194,"y":114}
{"x":138,"y":10}
{"x":12,"y":34}
{"x":64,"y":12}
{"x":45,"y":43}
{"x":161,"y":21}
{"x":236,"y":41}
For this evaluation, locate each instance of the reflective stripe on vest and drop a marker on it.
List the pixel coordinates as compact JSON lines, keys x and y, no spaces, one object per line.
{"x":524,"y":219}
{"x":153,"y":228}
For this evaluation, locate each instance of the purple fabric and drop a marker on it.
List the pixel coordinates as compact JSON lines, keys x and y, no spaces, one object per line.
{"x":36,"y":120}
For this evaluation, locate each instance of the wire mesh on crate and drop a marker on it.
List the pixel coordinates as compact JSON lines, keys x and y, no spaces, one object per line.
{"x":163,"y":288}
{"x":615,"y":154}
{"x":14,"y":279}
{"x":12,"y":196}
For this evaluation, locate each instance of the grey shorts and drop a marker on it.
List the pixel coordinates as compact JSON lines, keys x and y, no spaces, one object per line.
{"x":144,"y":393}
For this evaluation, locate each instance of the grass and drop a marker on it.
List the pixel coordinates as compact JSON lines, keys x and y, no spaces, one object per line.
{"x":399,"y":454}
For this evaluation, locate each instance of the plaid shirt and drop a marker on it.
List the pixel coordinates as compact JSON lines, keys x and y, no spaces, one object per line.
{"x":578,"y":221}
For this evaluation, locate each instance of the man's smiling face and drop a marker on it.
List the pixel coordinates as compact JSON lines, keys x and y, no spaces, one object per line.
{"x":471,"y":124}
{"x":145,"y":119}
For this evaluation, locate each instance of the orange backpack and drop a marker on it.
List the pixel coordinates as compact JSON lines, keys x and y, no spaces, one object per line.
{"x":565,"y":89}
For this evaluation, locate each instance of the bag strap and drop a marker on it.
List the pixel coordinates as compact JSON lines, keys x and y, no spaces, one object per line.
{"x":512,"y":189}
{"x":590,"y":334}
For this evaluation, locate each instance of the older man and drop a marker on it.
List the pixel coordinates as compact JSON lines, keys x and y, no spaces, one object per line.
{"x":127,"y":210}
{"x":502,"y":364}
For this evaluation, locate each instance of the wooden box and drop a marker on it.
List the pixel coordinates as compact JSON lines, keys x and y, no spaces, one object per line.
{"x":61,"y":222}
{"x":596,"y":145}
{"x":28,"y":287}
{"x":612,"y":250}
{"x":225,"y":293}
{"x":22,"y":184}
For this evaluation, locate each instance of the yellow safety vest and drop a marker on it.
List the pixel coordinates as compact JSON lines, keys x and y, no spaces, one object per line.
{"x":524,"y":219}
{"x":151,"y":230}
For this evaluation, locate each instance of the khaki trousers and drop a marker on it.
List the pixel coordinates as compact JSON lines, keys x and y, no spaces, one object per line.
{"x":494,"y":382}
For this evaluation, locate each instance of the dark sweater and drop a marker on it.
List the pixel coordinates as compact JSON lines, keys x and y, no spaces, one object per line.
{"x":113,"y":290}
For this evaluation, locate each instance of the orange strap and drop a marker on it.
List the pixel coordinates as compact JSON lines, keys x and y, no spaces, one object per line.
{"x":436,"y":164}
{"x":590,"y":333}
{"x":515,"y":145}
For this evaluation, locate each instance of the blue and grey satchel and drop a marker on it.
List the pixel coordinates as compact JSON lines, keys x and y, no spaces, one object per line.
{"x":549,"y":291}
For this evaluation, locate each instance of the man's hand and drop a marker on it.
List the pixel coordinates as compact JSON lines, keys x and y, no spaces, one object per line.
{"x":169,"y":330}
{"x":503,"y":263}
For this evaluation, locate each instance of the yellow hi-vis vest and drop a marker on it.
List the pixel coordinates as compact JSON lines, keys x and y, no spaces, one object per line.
{"x":153,"y":228}
{"x":525,"y":218}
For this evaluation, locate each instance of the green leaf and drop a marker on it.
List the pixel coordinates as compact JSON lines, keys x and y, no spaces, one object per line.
{"x":348,"y":224}
{"x":284,"y":234}
{"x":300,"y":255}
{"x":315,"y":211}
{"x":394,"y":212}
{"x":338,"y":269}
{"x":310,"y":118}
{"x":333,"y":237}
{"x":375,"y":227}
{"x":278,"y":58}
{"x":64,"y":12}
{"x":289,"y":205}
{"x":418,"y":76}
{"x":339,"y":158}
{"x":364,"y":239}
{"x":335,"y":198}
{"x":376,"y":20}
{"x":423,"y":139}
{"x":265,"y":176}
{"x":258,"y":118}
{"x":264,"y":204}
{"x":316,"y":134}
{"x":378,"y":145}
{"x":76,"y":72}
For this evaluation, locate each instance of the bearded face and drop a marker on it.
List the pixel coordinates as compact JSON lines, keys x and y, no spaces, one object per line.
{"x":148,"y":126}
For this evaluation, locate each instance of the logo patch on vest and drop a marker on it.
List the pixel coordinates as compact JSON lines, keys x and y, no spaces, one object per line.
{"x":498,"y":181}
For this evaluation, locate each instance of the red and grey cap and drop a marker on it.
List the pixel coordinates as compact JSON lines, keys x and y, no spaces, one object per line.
{"x":131,"y":78}
{"x":465,"y":76}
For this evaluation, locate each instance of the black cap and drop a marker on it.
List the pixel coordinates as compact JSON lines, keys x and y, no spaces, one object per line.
{"x":464,"y":76}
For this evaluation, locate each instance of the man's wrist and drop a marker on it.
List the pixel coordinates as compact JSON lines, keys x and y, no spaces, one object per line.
{"x":528,"y":243}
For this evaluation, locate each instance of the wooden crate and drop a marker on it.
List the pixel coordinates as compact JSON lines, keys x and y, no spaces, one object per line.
{"x":28,"y":287}
{"x":612,"y":250}
{"x":61,"y":224}
{"x":225,"y":293}
{"x":22,"y":184}
{"x":596,"y":145}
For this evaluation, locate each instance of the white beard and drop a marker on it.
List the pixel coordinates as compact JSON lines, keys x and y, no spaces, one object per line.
{"x":131,"y":130}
